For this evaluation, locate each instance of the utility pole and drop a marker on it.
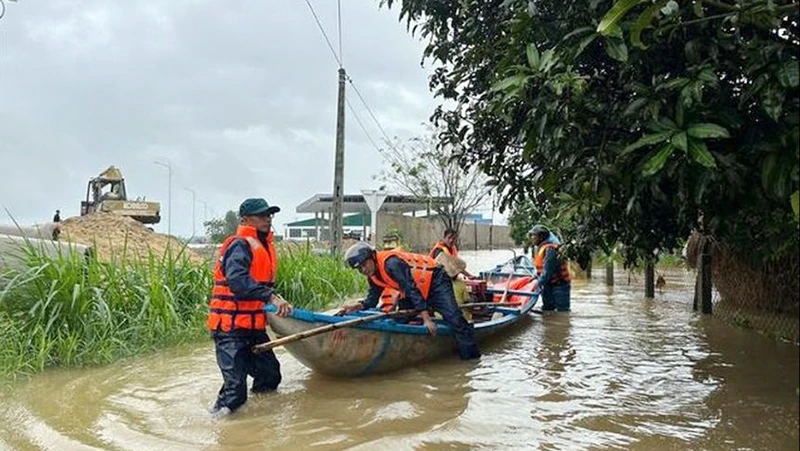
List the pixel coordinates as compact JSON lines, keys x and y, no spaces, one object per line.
{"x":338,"y":174}
{"x":168,"y":165}
{"x":194,"y":220}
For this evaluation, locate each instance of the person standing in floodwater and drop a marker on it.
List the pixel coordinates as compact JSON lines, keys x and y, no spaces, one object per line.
{"x":244,"y":277}
{"x":553,"y":277}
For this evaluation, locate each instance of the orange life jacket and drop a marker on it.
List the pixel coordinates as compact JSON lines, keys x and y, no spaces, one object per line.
{"x":564,"y":275}
{"x":388,"y":297}
{"x":225,"y":311}
{"x":445,"y":248}
{"x":421,"y":267}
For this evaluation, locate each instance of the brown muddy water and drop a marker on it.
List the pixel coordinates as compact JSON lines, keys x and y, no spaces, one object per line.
{"x":619,"y":372}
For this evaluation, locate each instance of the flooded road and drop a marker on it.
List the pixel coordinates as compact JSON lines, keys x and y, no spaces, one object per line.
{"x":619,"y":372}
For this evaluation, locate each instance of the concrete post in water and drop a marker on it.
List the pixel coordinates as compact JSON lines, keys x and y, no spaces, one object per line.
{"x":338,"y":174}
{"x":475,"y":228}
{"x":610,"y":274}
{"x":705,"y":282}
{"x":649,"y":279}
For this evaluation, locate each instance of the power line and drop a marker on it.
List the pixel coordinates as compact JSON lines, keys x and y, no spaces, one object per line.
{"x":338,"y":59}
{"x":325,"y":35}
{"x":361,"y":125}
{"x":369,"y":110}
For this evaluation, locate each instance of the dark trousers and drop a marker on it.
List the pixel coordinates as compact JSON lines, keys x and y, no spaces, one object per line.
{"x":442,"y":300}
{"x":236,"y":361}
{"x":556,"y":297}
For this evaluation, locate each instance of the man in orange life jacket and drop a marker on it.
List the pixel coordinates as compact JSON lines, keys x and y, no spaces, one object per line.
{"x":448,"y":245}
{"x":553,"y":271}
{"x":244,"y":277}
{"x":422,"y":283}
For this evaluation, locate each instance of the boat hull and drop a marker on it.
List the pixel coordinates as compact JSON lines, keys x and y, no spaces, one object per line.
{"x":378,"y":347}
{"x":351,"y":352}
{"x":384,"y":345}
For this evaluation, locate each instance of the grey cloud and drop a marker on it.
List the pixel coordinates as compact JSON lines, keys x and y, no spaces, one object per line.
{"x":239,"y":96}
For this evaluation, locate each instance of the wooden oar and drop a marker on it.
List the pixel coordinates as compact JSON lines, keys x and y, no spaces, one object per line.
{"x":512,"y":292}
{"x":489,"y":304}
{"x":264,"y":347}
{"x":505,"y":292}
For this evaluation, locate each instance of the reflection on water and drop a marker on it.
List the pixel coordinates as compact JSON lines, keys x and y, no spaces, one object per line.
{"x":619,"y":372}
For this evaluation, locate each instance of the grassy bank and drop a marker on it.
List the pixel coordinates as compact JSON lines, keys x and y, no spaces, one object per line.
{"x":62,"y":310}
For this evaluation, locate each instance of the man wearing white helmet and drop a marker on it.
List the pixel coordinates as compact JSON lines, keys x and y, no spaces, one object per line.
{"x":422,"y":283}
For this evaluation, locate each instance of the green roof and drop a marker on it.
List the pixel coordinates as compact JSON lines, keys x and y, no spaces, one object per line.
{"x":359,"y":220}
{"x":309,"y":223}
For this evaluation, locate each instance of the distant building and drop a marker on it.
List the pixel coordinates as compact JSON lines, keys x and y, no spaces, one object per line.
{"x":317,"y":228}
{"x":411,"y":218}
{"x":476,"y":218}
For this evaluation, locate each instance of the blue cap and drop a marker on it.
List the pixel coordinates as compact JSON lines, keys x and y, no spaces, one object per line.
{"x":256,"y":207}
{"x":538,"y":228}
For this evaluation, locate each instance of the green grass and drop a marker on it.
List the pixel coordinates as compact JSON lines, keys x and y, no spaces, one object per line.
{"x":671,"y":260}
{"x":65,"y":310}
{"x":314,"y":282}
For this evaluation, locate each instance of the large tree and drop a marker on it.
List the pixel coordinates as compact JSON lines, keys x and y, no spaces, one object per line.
{"x":638,"y":120}
{"x":426,"y":170}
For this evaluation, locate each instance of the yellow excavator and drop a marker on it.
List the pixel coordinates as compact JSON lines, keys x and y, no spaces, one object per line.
{"x":106,"y":192}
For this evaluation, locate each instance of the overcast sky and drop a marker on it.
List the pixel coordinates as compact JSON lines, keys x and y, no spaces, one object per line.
{"x":239,"y":96}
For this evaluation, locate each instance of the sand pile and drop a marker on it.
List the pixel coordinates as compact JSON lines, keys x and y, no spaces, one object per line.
{"x":111,"y":234}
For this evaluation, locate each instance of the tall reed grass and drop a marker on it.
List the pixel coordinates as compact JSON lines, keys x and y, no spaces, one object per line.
{"x":68,"y":310}
{"x":314,"y":282}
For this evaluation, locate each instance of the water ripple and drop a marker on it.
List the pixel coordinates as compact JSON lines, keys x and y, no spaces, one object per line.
{"x":620,"y":372}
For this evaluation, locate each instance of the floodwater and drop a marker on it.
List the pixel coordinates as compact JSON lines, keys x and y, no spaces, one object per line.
{"x":619,"y":372}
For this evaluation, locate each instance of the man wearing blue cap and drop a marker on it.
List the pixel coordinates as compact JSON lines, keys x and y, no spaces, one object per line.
{"x":244,"y":277}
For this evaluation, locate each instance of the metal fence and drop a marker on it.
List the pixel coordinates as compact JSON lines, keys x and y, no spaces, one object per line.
{"x":765,"y":299}
{"x":778,"y":325}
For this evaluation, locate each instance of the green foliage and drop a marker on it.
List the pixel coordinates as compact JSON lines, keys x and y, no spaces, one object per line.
{"x":670,"y":260}
{"x":521,"y":218}
{"x":314,"y":281}
{"x":218,"y":229}
{"x":65,"y":310}
{"x":638,"y":121}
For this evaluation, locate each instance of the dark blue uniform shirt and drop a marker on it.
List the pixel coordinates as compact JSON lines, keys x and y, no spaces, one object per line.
{"x":236,"y":267}
{"x":399,"y":270}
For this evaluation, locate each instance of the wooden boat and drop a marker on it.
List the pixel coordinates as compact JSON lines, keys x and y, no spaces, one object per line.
{"x":385,"y":345}
{"x":517,"y":274}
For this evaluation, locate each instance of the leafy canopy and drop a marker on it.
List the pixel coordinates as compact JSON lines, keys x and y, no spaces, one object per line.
{"x":636,"y":120}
